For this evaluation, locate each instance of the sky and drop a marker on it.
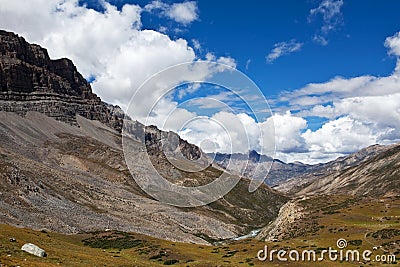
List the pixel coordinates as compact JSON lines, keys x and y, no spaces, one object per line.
{"x":323,"y":75}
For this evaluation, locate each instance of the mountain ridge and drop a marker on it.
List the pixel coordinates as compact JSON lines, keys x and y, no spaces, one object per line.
{"x":341,"y":164}
{"x":31,"y":81}
{"x":61,"y":158}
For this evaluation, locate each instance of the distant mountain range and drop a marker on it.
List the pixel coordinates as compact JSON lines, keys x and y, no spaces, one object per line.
{"x":295,"y":177}
{"x":262,"y":167}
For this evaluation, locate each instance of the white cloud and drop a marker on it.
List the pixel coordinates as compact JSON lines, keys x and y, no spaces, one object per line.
{"x":248,"y":64}
{"x":240,"y":133}
{"x":109,"y":45}
{"x":319,"y":39}
{"x":332,"y":17}
{"x":287,"y":132}
{"x":340,"y":88}
{"x":380,"y":113}
{"x":330,"y":10}
{"x":393,"y":43}
{"x":323,"y":111}
{"x":362,"y":111}
{"x":184,"y":13}
{"x":190,"y":89}
{"x":196,"y":44}
{"x":228,"y":61}
{"x":343,"y":135}
{"x":354,"y":123}
{"x":136,"y":60}
{"x":169,"y":117}
{"x":232,"y":133}
{"x":283,"y":48}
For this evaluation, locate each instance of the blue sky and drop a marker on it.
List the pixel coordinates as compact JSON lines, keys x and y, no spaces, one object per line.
{"x":329,"y":68}
{"x":248,"y":31}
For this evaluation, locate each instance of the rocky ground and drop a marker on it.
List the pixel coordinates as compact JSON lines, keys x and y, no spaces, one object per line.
{"x":70,"y":179}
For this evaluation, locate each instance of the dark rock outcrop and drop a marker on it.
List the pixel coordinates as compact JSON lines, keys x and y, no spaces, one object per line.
{"x":31,"y":81}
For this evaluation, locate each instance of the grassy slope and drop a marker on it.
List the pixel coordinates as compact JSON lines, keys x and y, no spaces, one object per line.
{"x":353,"y":220}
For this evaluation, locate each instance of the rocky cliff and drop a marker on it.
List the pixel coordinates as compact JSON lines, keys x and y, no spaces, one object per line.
{"x":31,"y":81}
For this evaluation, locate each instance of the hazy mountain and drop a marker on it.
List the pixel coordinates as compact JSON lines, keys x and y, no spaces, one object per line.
{"x":274,"y":171}
{"x":291,"y":177}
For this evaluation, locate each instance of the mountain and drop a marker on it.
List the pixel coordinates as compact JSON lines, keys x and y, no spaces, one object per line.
{"x":290,"y":177}
{"x":31,"y":81}
{"x":62,"y":165}
{"x":362,"y":173}
{"x":63,"y":174}
{"x":359,"y":193}
{"x":274,"y":171}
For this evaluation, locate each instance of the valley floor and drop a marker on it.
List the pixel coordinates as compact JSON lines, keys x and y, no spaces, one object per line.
{"x":364,"y":223}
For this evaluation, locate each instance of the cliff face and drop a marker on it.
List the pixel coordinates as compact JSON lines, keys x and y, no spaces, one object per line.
{"x":31,"y":81}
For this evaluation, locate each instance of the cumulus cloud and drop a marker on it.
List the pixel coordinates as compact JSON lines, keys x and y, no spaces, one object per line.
{"x":239,"y":133}
{"x":380,"y":113}
{"x":340,"y":88}
{"x":343,"y":135}
{"x":287,"y":132}
{"x":184,"y":13}
{"x":109,"y":46}
{"x":361,"y":111}
{"x":136,"y":60}
{"x":283,"y":48}
{"x":231,"y":133}
{"x":393,"y":43}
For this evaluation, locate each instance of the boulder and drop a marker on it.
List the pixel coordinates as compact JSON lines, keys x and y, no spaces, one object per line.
{"x":34,"y":250}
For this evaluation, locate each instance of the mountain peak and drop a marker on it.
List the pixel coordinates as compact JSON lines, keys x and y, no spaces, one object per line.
{"x":31,"y":81}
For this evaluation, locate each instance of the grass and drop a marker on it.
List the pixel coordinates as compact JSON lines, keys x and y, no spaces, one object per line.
{"x":112,"y":240}
{"x":360,"y":229}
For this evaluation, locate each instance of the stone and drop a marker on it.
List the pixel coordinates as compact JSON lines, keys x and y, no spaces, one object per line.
{"x":34,"y":250}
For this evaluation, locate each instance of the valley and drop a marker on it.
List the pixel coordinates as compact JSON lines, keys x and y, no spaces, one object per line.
{"x":68,"y":185}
